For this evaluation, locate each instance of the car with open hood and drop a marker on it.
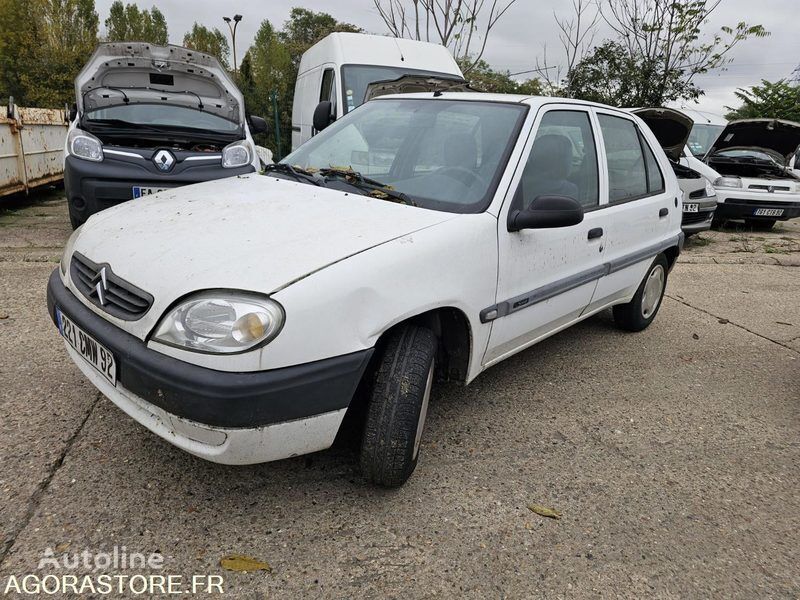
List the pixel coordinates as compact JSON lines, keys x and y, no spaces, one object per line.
{"x":475,"y":226}
{"x":149,"y":118}
{"x":755,"y":181}
{"x":673,"y":129}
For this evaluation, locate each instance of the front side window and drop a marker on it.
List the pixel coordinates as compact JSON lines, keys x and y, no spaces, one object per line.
{"x":627,"y":174}
{"x":444,"y":154}
{"x":563,"y":160}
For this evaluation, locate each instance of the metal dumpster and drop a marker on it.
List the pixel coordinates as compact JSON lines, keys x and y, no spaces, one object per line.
{"x":31,"y":148}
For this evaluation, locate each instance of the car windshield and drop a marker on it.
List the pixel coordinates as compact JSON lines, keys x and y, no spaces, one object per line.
{"x":702,"y":137}
{"x":443,"y":154}
{"x":356,"y":78}
{"x":162,"y":115}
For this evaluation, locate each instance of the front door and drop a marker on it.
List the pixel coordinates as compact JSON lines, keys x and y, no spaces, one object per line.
{"x":547,"y":276}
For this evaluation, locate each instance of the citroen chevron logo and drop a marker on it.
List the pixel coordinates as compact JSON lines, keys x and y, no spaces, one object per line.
{"x":101,"y":286}
{"x":164,"y":160}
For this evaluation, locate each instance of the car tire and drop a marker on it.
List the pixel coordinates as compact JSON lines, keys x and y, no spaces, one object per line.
{"x":398,"y":406}
{"x":760,"y":224}
{"x":637,"y":314}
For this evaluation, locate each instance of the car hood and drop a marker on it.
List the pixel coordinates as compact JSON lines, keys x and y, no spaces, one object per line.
{"x":145,"y":73}
{"x":252,"y":233}
{"x":671,"y":128}
{"x":410,"y":84}
{"x":779,"y":136}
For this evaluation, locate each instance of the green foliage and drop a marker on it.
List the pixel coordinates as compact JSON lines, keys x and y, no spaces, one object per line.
{"x":44,"y":45}
{"x":209,"y":41}
{"x":127,"y":23}
{"x":485,"y":79}
{"x":770,"y":100}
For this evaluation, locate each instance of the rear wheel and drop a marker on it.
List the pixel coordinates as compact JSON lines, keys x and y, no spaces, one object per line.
{"x":637,"y":314}
{"x":398,"y":407}
{"x":760,"y":224}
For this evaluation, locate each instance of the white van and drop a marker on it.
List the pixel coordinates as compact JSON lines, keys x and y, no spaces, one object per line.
{"x":339,"y":68}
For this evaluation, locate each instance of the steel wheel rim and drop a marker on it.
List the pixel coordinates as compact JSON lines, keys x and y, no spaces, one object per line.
{"x":653,"y":289}
{"x":423,"y":411}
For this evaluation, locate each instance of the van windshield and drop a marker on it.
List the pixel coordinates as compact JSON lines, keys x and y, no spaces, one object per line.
{"x":444,"y":155}
{"x":161,"y":116}
{"x":356,"y":78}
{"x":702,"y":137}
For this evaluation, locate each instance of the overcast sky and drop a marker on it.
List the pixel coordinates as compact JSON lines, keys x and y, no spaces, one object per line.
{"x":518,"y":39}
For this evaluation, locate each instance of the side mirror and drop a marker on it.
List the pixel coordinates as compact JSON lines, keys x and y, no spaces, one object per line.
{"x":256,"y":124}
{"x":323,"y":115}
{"x":547,"y":212}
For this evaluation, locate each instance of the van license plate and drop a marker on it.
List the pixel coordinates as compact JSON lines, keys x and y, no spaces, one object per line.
{"x":691,"y":208}
{"x":139,"y":191}
{"x":768,"y":212}
{"x":89,"y":348}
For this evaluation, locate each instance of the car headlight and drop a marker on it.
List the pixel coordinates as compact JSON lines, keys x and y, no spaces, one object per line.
{"x":221,"y":322}
{"x":237,"y":154}
{"x":84,"y":145}
{"x":728,"y":182}
{"x":710,"y":189}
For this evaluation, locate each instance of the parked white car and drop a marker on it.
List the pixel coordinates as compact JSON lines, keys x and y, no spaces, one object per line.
{"x":236,"y":319}
{"x":755,"y":181}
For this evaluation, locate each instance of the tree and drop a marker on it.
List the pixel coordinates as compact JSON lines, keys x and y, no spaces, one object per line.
{"x":44,"y":45}
{"x":209,"y":41}
{"x":770,"y":100}
{"x":126,"y":23}
{"x":485,"y":79}
{"x":304,"y":28}
{"x":463,"y":26}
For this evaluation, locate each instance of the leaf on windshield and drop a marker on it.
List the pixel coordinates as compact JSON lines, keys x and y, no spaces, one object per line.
{"x":379,"y":195}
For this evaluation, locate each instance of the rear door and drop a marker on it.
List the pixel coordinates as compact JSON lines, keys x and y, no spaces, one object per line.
{"x":643,"y":206}
{"x":547,"y":276}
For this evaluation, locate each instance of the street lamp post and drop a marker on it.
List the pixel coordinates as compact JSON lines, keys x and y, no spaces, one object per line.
{"x":236,"y":19}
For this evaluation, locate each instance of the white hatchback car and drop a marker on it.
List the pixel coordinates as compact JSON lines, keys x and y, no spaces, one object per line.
{"x":238,"y":318}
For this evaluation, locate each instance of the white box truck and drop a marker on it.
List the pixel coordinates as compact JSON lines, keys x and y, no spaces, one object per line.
{"x":336,"y":72}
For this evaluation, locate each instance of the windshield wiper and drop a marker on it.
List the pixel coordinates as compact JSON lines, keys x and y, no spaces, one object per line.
{"x":375,"y":188}
{"x":298,"y":174}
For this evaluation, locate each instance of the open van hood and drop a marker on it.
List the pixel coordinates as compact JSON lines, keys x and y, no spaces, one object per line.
{"x":774,"y":136}
{"x":671,"y":128}
{"x":409,"y":84}
{"x":144,"y":73}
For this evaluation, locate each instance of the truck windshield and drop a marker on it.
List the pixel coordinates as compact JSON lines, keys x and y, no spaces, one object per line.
{"x":356,"y":78}
{"x":702,"y":137}
{"x":444,"y":155}
{"x":162,"y":116}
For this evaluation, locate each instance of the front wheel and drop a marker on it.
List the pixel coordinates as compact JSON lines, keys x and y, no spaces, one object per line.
{"x":637,"y":314}
{"x":760,"y":224}
{"x":398,"y":406}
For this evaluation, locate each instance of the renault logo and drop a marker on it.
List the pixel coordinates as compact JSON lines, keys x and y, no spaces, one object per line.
{"x":164,"y":160}
{"x":100,"y":282}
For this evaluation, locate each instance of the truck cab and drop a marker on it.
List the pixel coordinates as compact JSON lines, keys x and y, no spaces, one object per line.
{"x":340,"y":69}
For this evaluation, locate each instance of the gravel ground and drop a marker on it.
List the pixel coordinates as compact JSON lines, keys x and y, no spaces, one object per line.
{"x":672,"y":455}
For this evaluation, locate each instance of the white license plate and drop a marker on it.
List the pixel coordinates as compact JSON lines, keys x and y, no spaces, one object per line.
{"x":693,"y":208}
{"x":89,"y":348}
{"x":768,"y":212}
{"x":139,"y":191}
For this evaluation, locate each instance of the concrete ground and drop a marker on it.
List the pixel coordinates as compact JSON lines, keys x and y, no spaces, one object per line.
{"x":672,"y":455}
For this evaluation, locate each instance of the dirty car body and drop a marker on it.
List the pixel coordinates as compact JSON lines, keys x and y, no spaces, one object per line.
{"x":755,"y":183}
{"x":150,"y":118}
{"x":474,"y":226}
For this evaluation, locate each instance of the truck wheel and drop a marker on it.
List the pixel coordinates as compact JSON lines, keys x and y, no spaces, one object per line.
{"x":760,"y":224}
{"x":398,"y":406}
{"x":637,"y":314}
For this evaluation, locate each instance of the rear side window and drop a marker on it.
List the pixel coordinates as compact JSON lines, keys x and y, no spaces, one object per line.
{"x":627,"y":174}
{"x":655,"y":180}
{"x":563,"y":160}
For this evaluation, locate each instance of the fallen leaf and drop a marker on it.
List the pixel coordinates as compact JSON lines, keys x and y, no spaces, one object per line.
{"x":243,"y":564}
{"x":3,"y":316}
{"x":724,"y":321}
{"x":543,"y":511}
{"x":695,"y":336}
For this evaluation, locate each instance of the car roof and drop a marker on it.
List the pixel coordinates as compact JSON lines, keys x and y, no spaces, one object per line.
{"x":536,"y":101}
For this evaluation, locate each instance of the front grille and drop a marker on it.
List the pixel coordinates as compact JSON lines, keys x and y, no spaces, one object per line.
{"x":774,"y":188}
{"x":691,"y":218}
{"x":107,"y":291}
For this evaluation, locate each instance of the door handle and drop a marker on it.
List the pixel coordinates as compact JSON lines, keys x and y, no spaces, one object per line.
{"x":595,"y":233}
{"x":663,"y":213}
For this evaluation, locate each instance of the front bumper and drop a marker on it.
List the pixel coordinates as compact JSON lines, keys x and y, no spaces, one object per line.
{"x":733,"y":205}
{"x":95,"y":186}
{"x":701,"y":220}
{"x":232,"y":418}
